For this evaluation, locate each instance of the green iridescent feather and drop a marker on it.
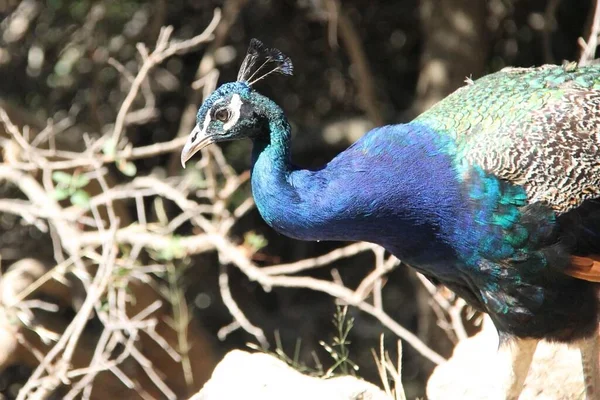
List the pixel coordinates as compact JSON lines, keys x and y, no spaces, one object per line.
{"x":535,"y":127}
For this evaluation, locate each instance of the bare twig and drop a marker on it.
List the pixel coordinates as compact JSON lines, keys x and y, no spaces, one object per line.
{"x":588,"y":48}
{"x":101,"y":244}
{"x":164,"y":49}
{"x":236,"y":312}
{"x":234,"y":255}
{"x":385,"y":366}
{"x":317,"y":262}
{"x":69,"y":339}
{"x":453,"y":310}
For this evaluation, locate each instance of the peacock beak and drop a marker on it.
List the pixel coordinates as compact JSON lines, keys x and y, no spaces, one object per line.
{"x":197,"y":140}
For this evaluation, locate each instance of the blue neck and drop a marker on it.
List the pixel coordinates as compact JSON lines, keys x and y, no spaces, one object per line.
{"x":349,"y":198}
{"x":271,"y":169}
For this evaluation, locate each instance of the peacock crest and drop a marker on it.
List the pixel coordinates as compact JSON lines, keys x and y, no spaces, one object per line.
{"x":267,"y":57}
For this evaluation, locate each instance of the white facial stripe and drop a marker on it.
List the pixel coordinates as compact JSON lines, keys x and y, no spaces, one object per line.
{"x":235,"y":108}
{"x":205,"y":125}
{"x":198,"y":134}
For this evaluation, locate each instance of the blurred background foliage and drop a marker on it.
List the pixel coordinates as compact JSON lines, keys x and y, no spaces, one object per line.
{"x":357,"y":64}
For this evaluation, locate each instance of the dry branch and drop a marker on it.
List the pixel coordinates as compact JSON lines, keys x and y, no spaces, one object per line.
{"x":91,"y":236}
{"x":588,"y":48}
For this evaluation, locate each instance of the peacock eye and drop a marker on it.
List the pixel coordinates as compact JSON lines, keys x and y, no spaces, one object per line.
{"x":222,"y":115}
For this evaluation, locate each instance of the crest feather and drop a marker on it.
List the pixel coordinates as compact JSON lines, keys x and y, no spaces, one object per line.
{"x":258,"y":52}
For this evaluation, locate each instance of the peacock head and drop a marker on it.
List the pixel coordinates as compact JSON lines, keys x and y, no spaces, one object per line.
{"x":235,"y":110}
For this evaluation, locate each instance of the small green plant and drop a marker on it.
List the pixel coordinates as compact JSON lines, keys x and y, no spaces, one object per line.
{"x":293,"y":361}
{"x":126,"y":167}
{"x":174,"y":292}
{"x":389,"y":373}
{"x":71,"y":187}
{"x":254,"y":241}
{"x":339,"y":350}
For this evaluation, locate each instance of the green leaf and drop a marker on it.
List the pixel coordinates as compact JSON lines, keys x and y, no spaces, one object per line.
{"x":80,"y":198}
{"x":255,"y":241}
{"x":79,"y":181}
{"x":109,"y":148}
{"x":62,"y":177}
{"x":127,"y":168}
{"x":174,"y":250}
{"x":104,"y":306}
{"x":61,"y":193}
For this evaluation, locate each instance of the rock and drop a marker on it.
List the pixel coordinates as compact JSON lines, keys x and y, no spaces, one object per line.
{"x":555,"y":373}
{"x":243,"y":375}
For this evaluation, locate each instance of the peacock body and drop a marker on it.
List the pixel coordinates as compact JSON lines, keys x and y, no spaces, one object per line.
{"x":494,"y":192}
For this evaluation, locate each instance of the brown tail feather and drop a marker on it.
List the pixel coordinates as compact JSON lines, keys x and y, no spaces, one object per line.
{"x":586,"y":268}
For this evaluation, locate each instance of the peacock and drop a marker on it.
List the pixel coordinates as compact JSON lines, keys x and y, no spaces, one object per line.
{"x":494,"y":192}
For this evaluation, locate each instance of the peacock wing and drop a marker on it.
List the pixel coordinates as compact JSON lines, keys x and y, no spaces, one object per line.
{"x":534,"y":127}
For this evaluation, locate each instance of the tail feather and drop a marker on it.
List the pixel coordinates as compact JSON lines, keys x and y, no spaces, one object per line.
{"x":586,"y":268}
